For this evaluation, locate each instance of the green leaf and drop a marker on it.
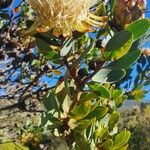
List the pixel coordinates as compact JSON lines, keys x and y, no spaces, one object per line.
{"x":59,"y":87}
{"x":80,"y":111}
{"x":29,"y":23}
{"x":118,"y":45}
{"x":83,"y":124}
{"x":138,"y":94}
{"x":113,"y":120}
{"x":87,"y":48}
{"x":107,"y":75}
{"x":44,"y":119}
{"x":138,"y":28}
{"x":99,"y":90}
{"x":98,"y":112}
{"x":116,"y":75}
{"x":81,"y":143}
{"x":47,"y":35}
{"x":67,"y":46}
{"x":121,"y":139}
{"x":116,"y":93}
{"x":88,"y":96}
{"x":49,"y":117}
{"x":46,"y":50}
{"x":66,"y":104}
{"x":119,"y":100}
{"x":108,"y":144}
{"x":124,"y":147}
{"x":50,"y":102}
{"x":112,"y":5}
{"x":61,"y":96}
{"x":102,"y":132}
{"x":126,"y":61}
{"x":12,"y":146}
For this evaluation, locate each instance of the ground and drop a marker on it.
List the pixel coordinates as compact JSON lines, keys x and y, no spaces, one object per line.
{"x":12,"y":120}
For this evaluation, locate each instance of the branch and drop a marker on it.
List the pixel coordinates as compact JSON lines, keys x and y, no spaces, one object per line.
{"x":21,"y":99}
{"x":77,"y":80}
{"x":17,"y":105}
{"x":9,"y":107}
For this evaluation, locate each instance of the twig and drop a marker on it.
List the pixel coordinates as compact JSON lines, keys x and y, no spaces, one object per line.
{"x":21,"y":99}
{"x":13,"y":106}
{"x":77,"y":81}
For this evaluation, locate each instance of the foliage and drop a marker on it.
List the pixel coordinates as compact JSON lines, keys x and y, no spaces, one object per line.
{"x":81,"y":108}
{"x":137,"y":120}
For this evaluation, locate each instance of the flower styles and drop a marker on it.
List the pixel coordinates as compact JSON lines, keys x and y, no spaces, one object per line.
{"x":64,"y":16}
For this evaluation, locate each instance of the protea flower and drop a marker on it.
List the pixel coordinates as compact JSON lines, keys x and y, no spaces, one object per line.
{"x":64,"y":16}
{"x":127,"y":11}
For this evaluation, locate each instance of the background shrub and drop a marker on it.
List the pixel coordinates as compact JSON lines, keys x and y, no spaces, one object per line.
{"x":137,"y":120}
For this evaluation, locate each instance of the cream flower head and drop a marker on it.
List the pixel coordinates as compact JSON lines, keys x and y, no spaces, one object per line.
{"x":64,"y":16}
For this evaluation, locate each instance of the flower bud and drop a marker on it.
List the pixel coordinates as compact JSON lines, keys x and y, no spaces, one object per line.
{"x":127,"y":11}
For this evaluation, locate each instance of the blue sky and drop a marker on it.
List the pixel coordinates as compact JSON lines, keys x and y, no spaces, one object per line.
{"x":148,"y":9}
{"x":147,"y":15}
{"x":15,"y":3}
